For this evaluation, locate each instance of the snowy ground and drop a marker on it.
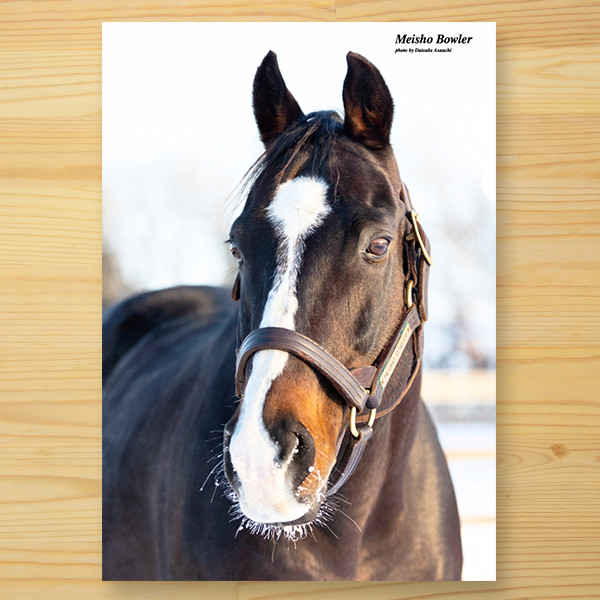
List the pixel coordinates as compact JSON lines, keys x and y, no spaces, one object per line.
{"x":471,"y":452}
{"x":463,"y":406}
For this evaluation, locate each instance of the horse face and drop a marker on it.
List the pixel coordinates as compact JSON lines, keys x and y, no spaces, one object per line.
{"x":319,"y":245}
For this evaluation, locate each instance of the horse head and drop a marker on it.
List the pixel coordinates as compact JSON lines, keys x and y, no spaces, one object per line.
{"x":320,"y":248}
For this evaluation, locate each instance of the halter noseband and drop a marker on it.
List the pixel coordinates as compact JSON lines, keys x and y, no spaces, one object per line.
{"x":364,"y":387}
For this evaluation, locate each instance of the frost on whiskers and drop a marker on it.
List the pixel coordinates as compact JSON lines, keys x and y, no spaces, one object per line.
{"x":291,"y":533}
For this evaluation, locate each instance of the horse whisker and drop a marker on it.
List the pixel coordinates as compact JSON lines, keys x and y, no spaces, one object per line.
{"x":208,"y":476}
{"x":332,"y":532}
{"x":351,"y":519}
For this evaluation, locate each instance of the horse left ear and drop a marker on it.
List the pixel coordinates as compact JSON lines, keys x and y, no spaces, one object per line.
{"x":368,"y":103}
{"x":275,"y":109}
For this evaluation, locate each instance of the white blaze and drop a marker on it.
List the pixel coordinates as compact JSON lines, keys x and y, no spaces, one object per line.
{"x":298,"y":208}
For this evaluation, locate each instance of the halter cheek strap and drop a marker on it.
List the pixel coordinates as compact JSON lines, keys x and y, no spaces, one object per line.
{"x":364,"y":387}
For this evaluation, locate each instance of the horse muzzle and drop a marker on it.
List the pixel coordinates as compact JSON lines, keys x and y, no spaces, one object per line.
{"x":271,"y":470}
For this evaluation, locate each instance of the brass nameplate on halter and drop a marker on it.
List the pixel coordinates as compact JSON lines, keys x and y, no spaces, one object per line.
{"x":389,"y":367}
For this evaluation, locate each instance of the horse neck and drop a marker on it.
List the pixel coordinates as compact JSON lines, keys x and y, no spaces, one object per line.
{"x":378,"y":479}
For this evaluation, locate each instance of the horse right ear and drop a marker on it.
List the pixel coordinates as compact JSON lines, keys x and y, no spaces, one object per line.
{"x":275,"y":109}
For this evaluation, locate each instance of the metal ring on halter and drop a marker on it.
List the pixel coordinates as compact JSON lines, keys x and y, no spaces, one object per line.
{"x":409,"y":289}
{"x":370,"y":422}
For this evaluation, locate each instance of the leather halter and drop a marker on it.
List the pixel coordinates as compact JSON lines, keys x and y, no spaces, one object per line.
{"x":361,"y":388}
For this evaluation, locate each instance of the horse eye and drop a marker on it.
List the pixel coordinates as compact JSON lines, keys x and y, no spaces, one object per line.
{"x":378,"y":247}
{"x":234,"y":251}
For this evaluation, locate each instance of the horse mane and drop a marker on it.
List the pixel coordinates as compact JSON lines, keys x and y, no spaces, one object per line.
{"x":308,"y":142}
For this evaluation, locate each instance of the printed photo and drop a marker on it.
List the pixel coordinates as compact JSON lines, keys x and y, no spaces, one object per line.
{"x":299,"y":301}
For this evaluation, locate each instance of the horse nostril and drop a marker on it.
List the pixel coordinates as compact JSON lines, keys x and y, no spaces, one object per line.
{"x":296,"y":445}
{"x":288,"y":443}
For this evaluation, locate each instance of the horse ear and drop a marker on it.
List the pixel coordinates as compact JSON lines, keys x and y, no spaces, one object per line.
{"x":275,"y":109}
{"x":368,"y":103}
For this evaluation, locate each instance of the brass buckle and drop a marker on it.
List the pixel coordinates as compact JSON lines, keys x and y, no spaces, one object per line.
{"x":370,"y":422}
{"x":409,"y":289}
{"x":415,"y":217}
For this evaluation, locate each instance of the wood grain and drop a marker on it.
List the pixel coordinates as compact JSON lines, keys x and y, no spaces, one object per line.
{"x":548,"y":288}
{"x":539,"y":23}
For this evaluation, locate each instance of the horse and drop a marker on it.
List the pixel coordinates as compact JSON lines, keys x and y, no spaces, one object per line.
{"x":277,"y":431}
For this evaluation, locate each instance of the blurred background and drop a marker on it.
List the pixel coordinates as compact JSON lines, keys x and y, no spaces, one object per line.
{"x":179,"y":135}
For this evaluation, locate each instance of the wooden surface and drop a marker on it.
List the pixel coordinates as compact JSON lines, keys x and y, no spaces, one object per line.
{"x":548,"y":288}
